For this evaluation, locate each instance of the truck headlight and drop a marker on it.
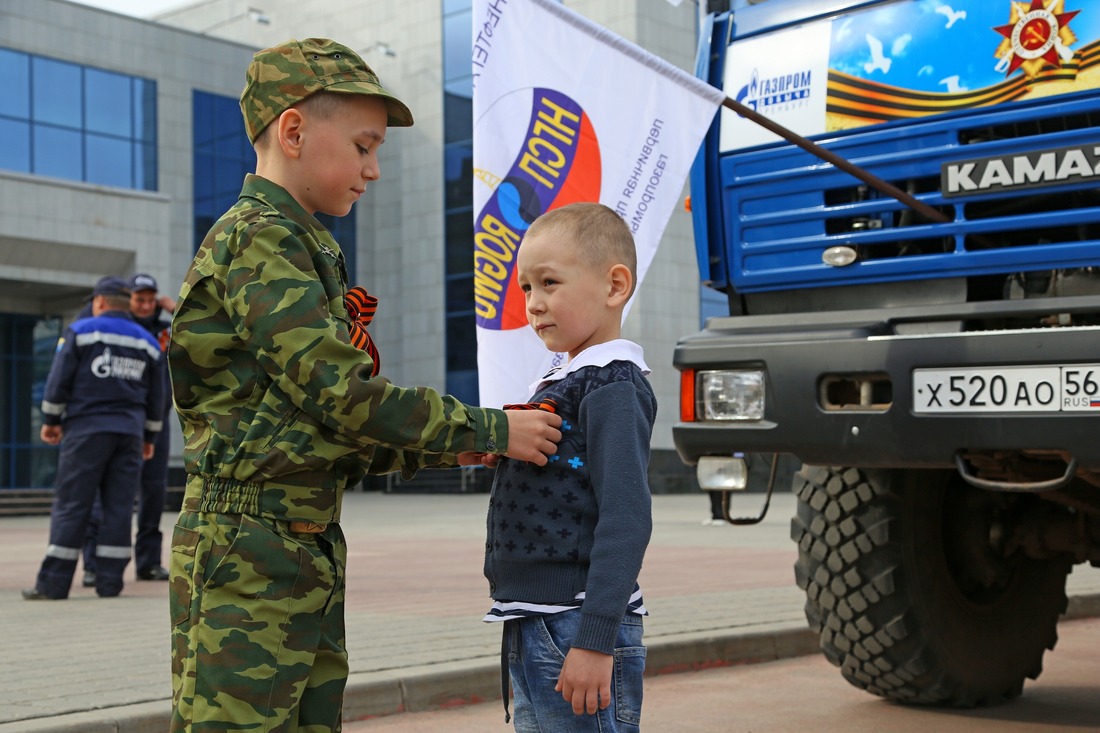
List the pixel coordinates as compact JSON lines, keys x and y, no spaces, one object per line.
{"x":730,"y":394}
{"x":722,"y":473}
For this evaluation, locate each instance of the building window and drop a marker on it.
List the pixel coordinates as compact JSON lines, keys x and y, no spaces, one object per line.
{"x":77,"y":122}
{"x":27,"y":346}
{"x":458,"y":200}
{"x":223,"y":156}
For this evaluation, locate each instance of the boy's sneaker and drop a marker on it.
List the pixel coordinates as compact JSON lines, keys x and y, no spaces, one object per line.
{"x":89,"y":579}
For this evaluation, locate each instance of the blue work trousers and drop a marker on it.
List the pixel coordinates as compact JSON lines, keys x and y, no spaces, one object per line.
{"x":91,"y":465}
{"x":152,"y":492}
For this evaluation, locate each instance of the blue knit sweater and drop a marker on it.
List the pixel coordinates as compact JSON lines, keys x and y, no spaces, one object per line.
{"x":583,"y":521}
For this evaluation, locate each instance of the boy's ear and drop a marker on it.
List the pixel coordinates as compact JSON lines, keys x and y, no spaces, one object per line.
{"x":620,"y":283}
{"x":289,"y":127}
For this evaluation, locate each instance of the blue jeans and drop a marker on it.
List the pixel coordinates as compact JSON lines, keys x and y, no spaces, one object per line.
{"x":534,"y":663}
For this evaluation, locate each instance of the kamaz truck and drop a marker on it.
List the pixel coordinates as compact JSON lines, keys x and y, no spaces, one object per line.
{"x":919,"y":328}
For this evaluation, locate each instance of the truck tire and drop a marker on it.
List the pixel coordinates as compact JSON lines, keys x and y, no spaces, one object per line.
{"x":910,"y":601}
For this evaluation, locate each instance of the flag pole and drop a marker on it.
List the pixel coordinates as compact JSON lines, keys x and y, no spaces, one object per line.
{"x":842,"y":163}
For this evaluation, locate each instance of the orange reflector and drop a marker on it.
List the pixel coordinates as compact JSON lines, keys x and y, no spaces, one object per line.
{"x":687,"y":203}
{"x":687,"y":395}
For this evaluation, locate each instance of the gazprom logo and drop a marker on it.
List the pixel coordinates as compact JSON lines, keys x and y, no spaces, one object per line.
{"x":776,"y":93}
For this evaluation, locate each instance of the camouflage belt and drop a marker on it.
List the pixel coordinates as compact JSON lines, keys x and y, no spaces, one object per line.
{"x":307,"y":527}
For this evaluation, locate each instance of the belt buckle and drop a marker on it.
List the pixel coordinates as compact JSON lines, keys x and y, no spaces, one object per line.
{"x":307,"y":527}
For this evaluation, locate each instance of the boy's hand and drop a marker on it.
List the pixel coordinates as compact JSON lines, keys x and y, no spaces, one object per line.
{"x":532,"y":435}
{"x":585,"y":680}
{"x":489,"y":460}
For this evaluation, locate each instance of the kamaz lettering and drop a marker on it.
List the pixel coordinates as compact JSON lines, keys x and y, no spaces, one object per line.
{"x":1028,"y":170}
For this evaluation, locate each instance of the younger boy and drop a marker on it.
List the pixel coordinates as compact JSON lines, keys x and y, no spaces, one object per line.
{"x":566,"y":539}
{"x":281,"y":411}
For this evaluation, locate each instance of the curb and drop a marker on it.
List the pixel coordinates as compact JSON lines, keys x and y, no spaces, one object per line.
{"x":435,"y":686}
{"x":431,"y":687}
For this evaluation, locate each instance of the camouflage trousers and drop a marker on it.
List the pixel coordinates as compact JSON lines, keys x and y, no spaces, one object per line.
{"x":257,"y":625}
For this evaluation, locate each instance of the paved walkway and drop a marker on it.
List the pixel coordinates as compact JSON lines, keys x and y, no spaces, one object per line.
{"x":717,"y":595}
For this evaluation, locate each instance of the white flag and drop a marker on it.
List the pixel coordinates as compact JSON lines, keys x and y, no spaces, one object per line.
{"x":565,"y":111}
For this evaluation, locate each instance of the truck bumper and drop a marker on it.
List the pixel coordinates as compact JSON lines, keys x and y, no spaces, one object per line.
{"x":798,"y":352}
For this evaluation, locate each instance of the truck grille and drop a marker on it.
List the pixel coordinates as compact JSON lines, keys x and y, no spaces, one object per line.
{"x":785,"y":207}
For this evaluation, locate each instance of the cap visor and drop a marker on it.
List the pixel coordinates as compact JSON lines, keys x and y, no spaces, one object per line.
{"x":398,"y":114}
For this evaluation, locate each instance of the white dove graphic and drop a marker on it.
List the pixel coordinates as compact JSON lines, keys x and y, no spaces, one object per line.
{"x":878,"y":59}
{"x":952,"y":84}
{"x":951,"y":14}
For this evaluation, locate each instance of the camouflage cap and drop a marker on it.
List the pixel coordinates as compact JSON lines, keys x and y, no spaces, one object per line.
{"x":281,"y":76}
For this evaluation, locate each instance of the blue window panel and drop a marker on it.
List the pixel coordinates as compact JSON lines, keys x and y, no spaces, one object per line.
{"x":460,"y":338}
{"x":460,"y":293}
{"x":73,"y":111}
{"x":458,"y":118}
{"x":56,"y":92}
{"x":15,"y":152}
{"x":222,"y":157}
{"x":202,"y":120}
{"x":458,"y":169}
{"x":462,"y":86}
{"x":459,"y":243}
{"x":461,"y":352}
{"x":144,"y":109}
{"x":228,"y":175}
{"x":145,"y":166}
{"x":57,"y":153}
{"x":227,"y":142}
{"x":457,"y":44}
{"x":15,"y":70}
{"x":107,"y":103}
{"x":109,"y":161}
{"x":462,"y":384}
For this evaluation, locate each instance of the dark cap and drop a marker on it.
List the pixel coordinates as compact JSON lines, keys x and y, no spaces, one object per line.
{"x":282,"y":76}
{"x":142,"y":281}
{"x":111,"y":285}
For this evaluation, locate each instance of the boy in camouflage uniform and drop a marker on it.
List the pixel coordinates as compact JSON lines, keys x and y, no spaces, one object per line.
{"x":281,"y":412}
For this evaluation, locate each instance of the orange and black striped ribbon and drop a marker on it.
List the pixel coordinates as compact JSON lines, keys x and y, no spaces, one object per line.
{"x":361,"y":306}
{"x":547,"y":404}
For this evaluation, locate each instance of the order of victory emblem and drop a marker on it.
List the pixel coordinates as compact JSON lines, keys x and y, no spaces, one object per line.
{"x":1036,"y":35}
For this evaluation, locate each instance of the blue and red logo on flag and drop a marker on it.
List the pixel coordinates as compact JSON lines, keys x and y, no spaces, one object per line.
{"x":557,"y":164}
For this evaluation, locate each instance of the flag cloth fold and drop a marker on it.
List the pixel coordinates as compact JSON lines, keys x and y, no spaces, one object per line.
{"x":565,"y":111}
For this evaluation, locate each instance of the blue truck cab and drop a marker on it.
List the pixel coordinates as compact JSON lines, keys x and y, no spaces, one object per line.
{"x":936,"y":372}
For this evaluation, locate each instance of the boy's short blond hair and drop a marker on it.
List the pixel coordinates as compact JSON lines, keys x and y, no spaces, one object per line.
{"x":600,"y":235}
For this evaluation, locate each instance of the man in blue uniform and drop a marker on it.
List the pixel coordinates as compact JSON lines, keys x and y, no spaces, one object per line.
{"x":155,"y":315}
{"x":104,"y":405}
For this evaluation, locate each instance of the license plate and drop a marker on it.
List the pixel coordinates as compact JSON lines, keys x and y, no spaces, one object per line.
{"x":1047,"y":389}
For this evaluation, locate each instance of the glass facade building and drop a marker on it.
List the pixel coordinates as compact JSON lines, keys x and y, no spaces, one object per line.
{"x":458,"y":200}
{"x":77,"y":122}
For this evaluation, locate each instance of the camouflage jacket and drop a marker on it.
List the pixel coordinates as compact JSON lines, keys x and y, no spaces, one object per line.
{"x":279,"y":411}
